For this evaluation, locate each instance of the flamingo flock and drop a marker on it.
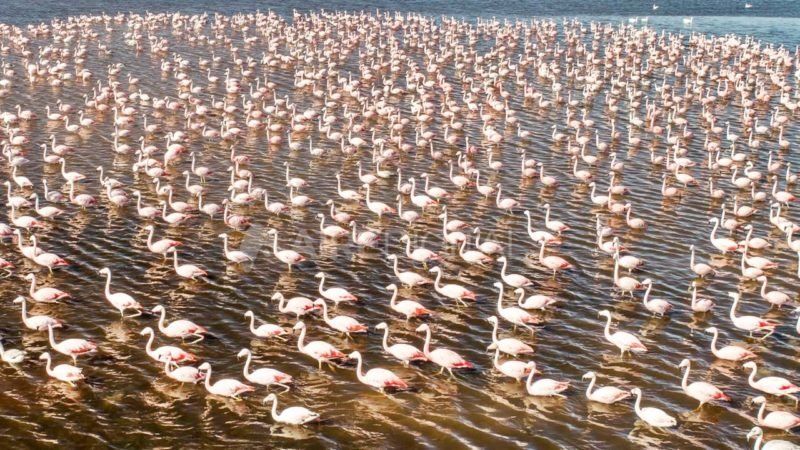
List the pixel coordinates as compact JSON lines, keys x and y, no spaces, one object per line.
{"x":401,"y":141}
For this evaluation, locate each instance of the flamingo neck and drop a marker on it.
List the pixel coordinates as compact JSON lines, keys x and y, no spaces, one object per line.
{"x":149,"y":346}
{"x":607,"y":329}
{"x":300,"y":345}
{"x":426,"y":348}
{"x":638,"y":405}
{"x":51,"y":336}
{"x":386,"y":338}
{"x":685,"y":380}
{"x":247,"y":364}
{"x":589,"y":388}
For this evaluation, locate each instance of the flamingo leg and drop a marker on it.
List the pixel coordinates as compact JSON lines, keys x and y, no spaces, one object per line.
{"x":285,"y":387}
{"x":200,"y":337}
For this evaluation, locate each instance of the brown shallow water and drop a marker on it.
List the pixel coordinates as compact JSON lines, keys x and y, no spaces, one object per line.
{"x":127,"y":402}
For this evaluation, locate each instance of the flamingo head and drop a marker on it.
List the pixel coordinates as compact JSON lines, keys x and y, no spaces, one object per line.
{"x":588,"y":375}
{"x":223,"y":235}
{"x":436,"y":269}
{"x":604,"y":313}
{"x":498,"y":285}
{"x":684,"y":363}
{"x":647,"y":281}
{"x":755,"y":432}
{"x":403,"y":238}
{"x":492,"y":319}
{"x":381,"y":326}
{"x":243,"y":352}
{"x":30,"y":276}
{"x":423,"y":327}
{"x":711,"y":330}
{"x":636,"y":391}
{"x":272,"y":231}
{"x":276,"y":296}
{"x":759,"y":400}
{"x":391,"y":287}
{"x":750,"y":365}
{"x":299,"y":325}
{"x":146,"y":330}
{"x":19,"y":299}
{"x":354,"y":355}
{"x":104,"y":271}
{"x":204,"y":366}
{"x":319,"y":275}
{"x":157,"y":309}
{"x":248,"y":314}
{"x":269,"y":398}
{"x":44,"y":356}
{"x":319,"y":302}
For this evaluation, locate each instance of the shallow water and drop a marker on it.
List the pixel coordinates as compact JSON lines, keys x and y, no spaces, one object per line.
{"x":127,"y":401}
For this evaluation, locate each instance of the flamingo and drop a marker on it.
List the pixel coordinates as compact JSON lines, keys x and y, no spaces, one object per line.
{"x":775,"y":444}
{"x":656,"y":306}
{"x":516,"y":316}
{"x":406,"y":353}
{"x":408,"y":308}
{"x":779,"y":420}
{"x":39,"y":322}
{"x":62,"y":372}
{"x":45,"y":294}
{"x":729,"y":352}
{"x":700,"y":305}
{"x":749,"y":323}
{"x":626,"y":342}
{"x":295,"y":415}
{"x":234,"y":256}
{"x":266,"y":330}
{"x":701,"y":269}
{"x":165,"y":353}
{"x":180,"y":328}
{"x":335,"y":294}
{"x":513,"y":280}
{"x":422,"y":255}
{"x":162,"y":246}
{"x":606,"y":394}
{"x":771,"y":385}
{"x":264,"y":376}
{"x":343,"y":324}
{"x":286,"y":256}
{"x":552,"y":262}
{"x":514,"y":369}
{"x":183,"y":374}
{"x":321,"y":351}
{"x":408,"y":278}
{"x":544,"y":387}
{"x":11,"y":356}
{"x":186,"y":270}
{"x":120,"y":300}
{"x":511,"y":346}
{"x":700,"y":390}
{"x":379,"y":378}
{"x":654,"y":417}
{"x":71,"y":347}
{"x":442,"y":357}
{"x":298,"y":306}
{"x":453,"y":291}
{"x":226,"y":387}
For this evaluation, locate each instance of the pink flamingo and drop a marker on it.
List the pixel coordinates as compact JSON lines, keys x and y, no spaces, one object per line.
{"x":377,"y":377}
{"x":442,"y":357}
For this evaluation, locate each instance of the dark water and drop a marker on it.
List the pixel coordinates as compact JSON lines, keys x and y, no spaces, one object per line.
{"x":127,"y":402}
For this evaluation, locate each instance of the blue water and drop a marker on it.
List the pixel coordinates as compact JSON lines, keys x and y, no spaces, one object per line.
{"x":776,"y":21}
